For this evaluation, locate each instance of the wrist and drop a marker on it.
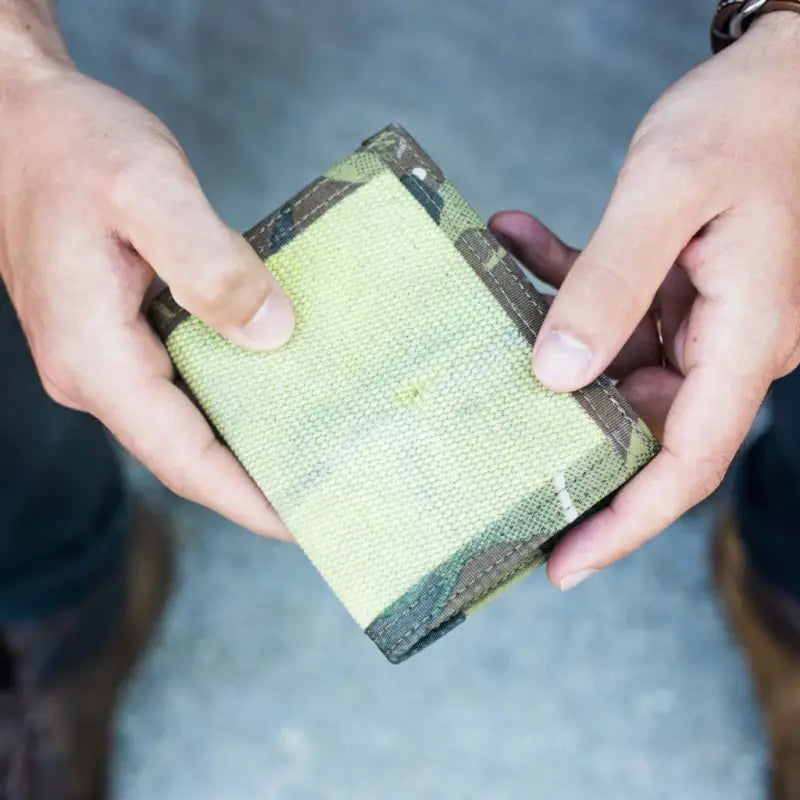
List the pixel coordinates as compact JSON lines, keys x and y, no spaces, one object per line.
{"x":735,"y":18}
{"x":782,"y":24}
{"x":774,"y":39}
{"x":32,"y":52}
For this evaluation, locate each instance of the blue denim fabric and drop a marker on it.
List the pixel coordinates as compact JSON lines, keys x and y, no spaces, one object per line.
{"x":767,"y":491}
{"x":63,"y":510}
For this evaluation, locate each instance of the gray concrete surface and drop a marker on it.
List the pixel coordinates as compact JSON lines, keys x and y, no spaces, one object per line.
{"x":260,"y":686}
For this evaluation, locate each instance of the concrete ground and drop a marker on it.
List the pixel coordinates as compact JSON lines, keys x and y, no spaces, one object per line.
{"x":260,"y":685}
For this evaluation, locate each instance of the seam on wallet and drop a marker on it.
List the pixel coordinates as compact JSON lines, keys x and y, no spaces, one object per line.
{"x":609,"y":430}
{"x":535,"y":301}
{"x":401,"y":644}
{"x":387,"y":157}
{"x":525,"y":322}
{"x":330,"y":201}
{"x":464,"y":589}
{"x":520,"y":316}
{"x":417,"y":149}
{"x":542,"y":311}
{"x":267,"y":221}
{"x":180,"y":314}
{"x":494,"y":566}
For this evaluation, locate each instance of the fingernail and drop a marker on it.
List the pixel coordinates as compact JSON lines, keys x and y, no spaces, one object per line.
{"x":571,"y":581}
{"x":561,"y":361}
{"x":273,"y":323}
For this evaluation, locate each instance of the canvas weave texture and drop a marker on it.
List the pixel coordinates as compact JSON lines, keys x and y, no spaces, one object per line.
{"x":400,"y":433}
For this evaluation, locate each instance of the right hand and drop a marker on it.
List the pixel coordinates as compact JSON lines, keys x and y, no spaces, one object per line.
{"x":701,"y":230}
{"x":96,"y":199}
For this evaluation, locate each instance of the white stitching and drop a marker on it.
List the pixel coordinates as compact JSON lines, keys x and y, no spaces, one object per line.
{"x":272,"y":217}
{"x":541,"y":310}
{"x":522,"y":319}
{"x":464,"y":589}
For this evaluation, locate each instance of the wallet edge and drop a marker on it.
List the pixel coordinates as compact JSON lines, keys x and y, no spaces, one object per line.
{"x":511,"y":287}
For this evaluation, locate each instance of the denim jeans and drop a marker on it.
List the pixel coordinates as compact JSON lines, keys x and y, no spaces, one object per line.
{"x":63,"y":511}
{"x":767,"y":491}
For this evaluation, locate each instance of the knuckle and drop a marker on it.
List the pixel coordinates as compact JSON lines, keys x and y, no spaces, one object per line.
{"x":126,"y":184}
{"x":131,"y":179}
{"x":620,"y":284}
{"x":776,"y":331}
{"x":788,"y":333}
{"x":627,"y":294}
{"x":54,"y":393}
{"x":212,"y":289}
{"x":180,"y":476}
{"x":788,"y":342}
{"x":51,"y":363}
{"x":176,"y":485}
{"x":670,"y":161}
{"x":793,"y":329}
{"x":708,"y":478}
{"x":56,"y":377}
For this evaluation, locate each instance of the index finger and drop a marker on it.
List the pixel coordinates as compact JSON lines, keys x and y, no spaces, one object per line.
{"x":153,"y":419}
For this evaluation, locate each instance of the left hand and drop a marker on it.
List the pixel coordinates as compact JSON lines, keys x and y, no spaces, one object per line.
{"x":703,"y":228}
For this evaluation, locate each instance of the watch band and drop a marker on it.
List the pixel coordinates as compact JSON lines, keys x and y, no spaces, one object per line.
{"x":734,"y":17}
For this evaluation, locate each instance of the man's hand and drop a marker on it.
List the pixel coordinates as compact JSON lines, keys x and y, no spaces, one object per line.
{"x":96,"y":199}
{"x":703,"y":228}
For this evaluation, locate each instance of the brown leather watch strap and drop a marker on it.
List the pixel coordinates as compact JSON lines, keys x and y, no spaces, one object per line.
{"x":733,"y":18}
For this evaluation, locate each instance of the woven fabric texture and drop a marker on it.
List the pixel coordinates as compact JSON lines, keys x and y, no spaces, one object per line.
{"x":400,"y":433}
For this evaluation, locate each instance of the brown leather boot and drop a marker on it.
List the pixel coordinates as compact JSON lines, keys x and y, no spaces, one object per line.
{"x":767,"y":625}
{"x":59,"y":677}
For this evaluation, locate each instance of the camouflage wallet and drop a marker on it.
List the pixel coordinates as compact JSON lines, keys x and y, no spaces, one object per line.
{"x":400,"y":433}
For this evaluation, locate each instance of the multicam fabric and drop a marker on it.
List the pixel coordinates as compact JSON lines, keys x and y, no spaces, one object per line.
{"x":400,"y":433}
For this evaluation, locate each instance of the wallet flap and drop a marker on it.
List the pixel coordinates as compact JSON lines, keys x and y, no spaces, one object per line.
{"x":400,"y":433}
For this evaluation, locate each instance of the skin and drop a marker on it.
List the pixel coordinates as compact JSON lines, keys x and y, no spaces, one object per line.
{"x":702,"y":227}
{"x":95,"y":198}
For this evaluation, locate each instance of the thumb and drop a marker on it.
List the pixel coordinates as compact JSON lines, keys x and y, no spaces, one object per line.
{"x":653,"y":213}
{"x":210,"y":269}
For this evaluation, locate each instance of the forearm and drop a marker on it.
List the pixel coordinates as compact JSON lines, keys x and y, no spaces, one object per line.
{"x":30,"y":39}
